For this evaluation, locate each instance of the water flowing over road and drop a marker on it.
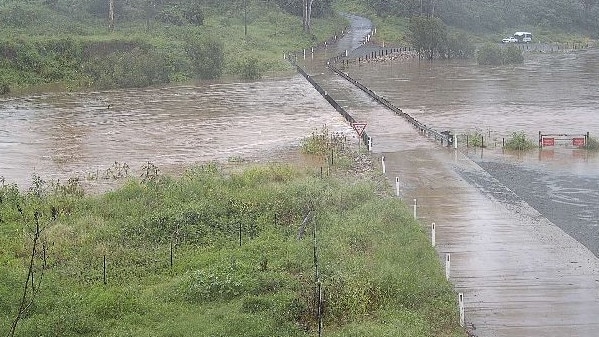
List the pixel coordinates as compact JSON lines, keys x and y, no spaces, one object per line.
{"x":497,"y":214}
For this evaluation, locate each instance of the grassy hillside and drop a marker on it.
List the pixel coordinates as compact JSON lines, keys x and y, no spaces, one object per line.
{"x":70,"y":44}
{"x":244,"y":261}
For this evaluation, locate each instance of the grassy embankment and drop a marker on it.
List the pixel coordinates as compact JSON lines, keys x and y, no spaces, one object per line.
{"x":43,"y":48}
{"x":380,"y":275}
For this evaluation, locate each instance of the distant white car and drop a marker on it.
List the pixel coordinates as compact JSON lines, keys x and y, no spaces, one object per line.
{"x":510,"y":39}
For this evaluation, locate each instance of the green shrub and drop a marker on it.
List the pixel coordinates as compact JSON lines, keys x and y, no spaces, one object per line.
{"x":475,"y":139}
{"x":206,"y":55}
{"x":4,"y":88}
{"x":491,"y":54}
{"x":250,"y":69}
{"x":139,"y":67}
{"x":322,"y":142}
{"x":592,"y":144}
{"x":519,"y":142}
{"x":18,"y":16}
{"x":511,"y":55}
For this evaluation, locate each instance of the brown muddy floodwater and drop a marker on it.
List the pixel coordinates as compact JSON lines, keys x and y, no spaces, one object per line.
{"x":555,"y":93}
{"x":63,"y":135}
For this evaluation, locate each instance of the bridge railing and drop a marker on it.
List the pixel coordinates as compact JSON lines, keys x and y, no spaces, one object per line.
{"x":349,"y":118}
{"x":444,"y":137}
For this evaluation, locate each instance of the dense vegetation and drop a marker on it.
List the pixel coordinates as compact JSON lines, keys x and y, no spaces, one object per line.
{"x":220,"y":253}
{"x":495,"y":16}
{"x":72,"y":42}
{"x":519,"y":142}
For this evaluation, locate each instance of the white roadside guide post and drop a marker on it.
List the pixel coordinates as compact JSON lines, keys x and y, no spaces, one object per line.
{"x":397,"y":186}
{"x":383,"y":164}
{"x":433,"y":235}
{"x":415,"y":209}
{"x":455,"y":141}
{"x":461,"y":304}
{"x":369,"y":144}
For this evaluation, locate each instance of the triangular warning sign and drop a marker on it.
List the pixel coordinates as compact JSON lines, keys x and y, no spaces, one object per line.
{"x":359,"y":127}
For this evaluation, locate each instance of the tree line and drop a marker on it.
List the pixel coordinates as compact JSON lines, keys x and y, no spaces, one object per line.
{"x":494,"y":16}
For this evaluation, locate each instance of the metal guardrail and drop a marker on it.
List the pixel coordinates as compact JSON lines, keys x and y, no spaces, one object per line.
{"x":349,"y":118}
{"x":444,"y":137}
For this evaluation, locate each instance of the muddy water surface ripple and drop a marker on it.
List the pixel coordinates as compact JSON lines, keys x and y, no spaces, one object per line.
{"x":552,"y":93}
{"x":63,"y":135}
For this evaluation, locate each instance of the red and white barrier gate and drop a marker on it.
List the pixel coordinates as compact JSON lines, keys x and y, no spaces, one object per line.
{"x":564,"y":139}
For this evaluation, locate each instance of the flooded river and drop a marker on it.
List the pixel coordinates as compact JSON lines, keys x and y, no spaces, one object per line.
{"x":63,"y":135}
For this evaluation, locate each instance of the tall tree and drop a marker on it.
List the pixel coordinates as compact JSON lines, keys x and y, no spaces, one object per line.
{"x":428,"y":35}
{"x":307,"y":9}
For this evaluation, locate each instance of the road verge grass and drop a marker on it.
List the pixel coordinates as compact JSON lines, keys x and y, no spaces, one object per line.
{"x":222,"y":253}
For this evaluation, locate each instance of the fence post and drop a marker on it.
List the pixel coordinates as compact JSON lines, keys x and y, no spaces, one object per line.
{"x":104,"y":270}
{"x":319,"y":308}
{"x":447,"y":265}
{"x":587,"y":138}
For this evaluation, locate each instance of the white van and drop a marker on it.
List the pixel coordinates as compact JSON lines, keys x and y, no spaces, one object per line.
{"x":523,"y":37}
